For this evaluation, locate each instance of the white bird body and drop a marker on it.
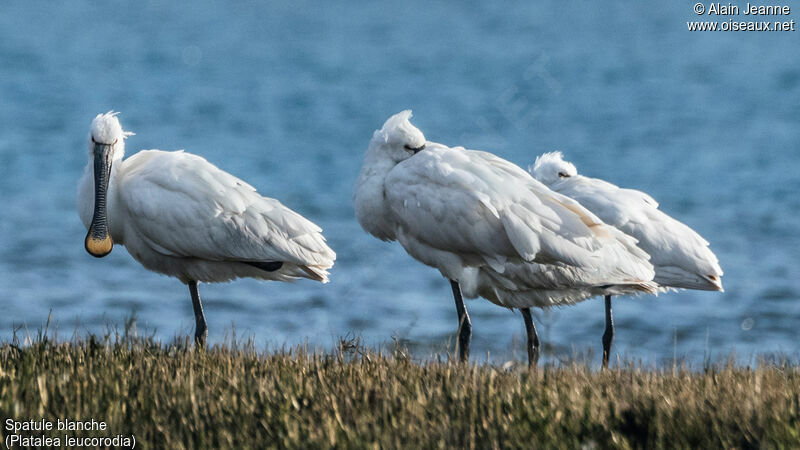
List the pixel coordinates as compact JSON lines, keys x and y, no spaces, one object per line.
{"x":487,"y":224}
{"x":681,"y":257}
{"x":181,"y":216}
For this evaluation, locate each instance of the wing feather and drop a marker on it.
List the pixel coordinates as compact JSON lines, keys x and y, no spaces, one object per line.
{"x":475,"y":203}
{"x":681,"y":256}
{"x":184,"y":206}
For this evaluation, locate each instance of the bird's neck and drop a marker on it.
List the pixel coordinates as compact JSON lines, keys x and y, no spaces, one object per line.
{"x":376,"y":165}
{"x":369,"y":198}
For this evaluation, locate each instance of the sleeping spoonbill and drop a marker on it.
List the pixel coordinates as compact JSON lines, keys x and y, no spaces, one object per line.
{"x":488,"y":226}
{"x":179,"y":215}
{"x":681,"y":257}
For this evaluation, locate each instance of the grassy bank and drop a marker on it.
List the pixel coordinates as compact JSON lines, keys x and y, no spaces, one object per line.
{"x":172,"y":396}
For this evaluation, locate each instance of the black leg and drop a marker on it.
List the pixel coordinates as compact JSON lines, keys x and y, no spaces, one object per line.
{"x":533,"y":338}
{"x":464,"y":325}
{"x":608,"y":336}
{"x":200,"y":329}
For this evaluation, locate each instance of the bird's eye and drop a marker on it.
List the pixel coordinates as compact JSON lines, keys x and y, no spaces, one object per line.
{"x":563,"y":174}
{"x":414,"y":149}
{"x":93,"y":140}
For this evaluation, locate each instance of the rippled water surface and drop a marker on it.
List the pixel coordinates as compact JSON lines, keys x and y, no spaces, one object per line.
{"x":286,"y":96}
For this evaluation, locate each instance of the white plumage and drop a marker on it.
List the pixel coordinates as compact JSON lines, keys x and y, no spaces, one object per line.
{"x":681,"y":257}
{"x":488,"y":226}
{"x":179,"y":215}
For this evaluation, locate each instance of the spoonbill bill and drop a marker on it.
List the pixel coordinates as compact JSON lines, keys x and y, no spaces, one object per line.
{"x":179,"y":215}
{"x":681,"y":257}
{"x":489,"y":227}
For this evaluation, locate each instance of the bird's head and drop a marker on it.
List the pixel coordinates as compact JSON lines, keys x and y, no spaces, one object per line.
{"x":106,"y":132}
{"x":106,"y":145}
{"x":398,"y":139}
{"x":550,"y":168}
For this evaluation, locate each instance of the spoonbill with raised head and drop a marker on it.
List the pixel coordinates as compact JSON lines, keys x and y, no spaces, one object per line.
{"x":179,"y":215}
{"x":681,"y":257}
{"x":489,"y":228}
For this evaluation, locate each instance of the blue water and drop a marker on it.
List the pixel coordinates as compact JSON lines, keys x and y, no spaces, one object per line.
{"x":286,"y":96}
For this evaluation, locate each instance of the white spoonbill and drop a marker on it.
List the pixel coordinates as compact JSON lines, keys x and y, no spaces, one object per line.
{"x":179,"y":215}
{"x":681,"y":257}
{"x":487,"y":224}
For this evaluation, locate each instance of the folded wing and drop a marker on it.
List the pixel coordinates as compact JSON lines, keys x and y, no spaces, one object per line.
{"x":494,"y":216}
{"x":183,"y":206}
{"x":681,"y":256}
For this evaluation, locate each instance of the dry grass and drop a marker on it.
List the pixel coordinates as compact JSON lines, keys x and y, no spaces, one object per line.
{"x":172,"y":396}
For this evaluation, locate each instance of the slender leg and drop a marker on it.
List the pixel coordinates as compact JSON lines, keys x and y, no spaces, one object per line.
{"x":200,"y":329}
{"x":533,"y":338}
{"x":608,"y":335}
{"x":464,"y":325}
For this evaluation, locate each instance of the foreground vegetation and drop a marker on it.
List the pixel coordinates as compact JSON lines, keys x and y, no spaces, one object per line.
{"x":234,"y":396}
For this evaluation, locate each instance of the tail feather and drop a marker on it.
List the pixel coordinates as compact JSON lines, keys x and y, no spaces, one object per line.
{"x":632,"y":288}
{"x":316,"y":273}
{"x":678,"y":278}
